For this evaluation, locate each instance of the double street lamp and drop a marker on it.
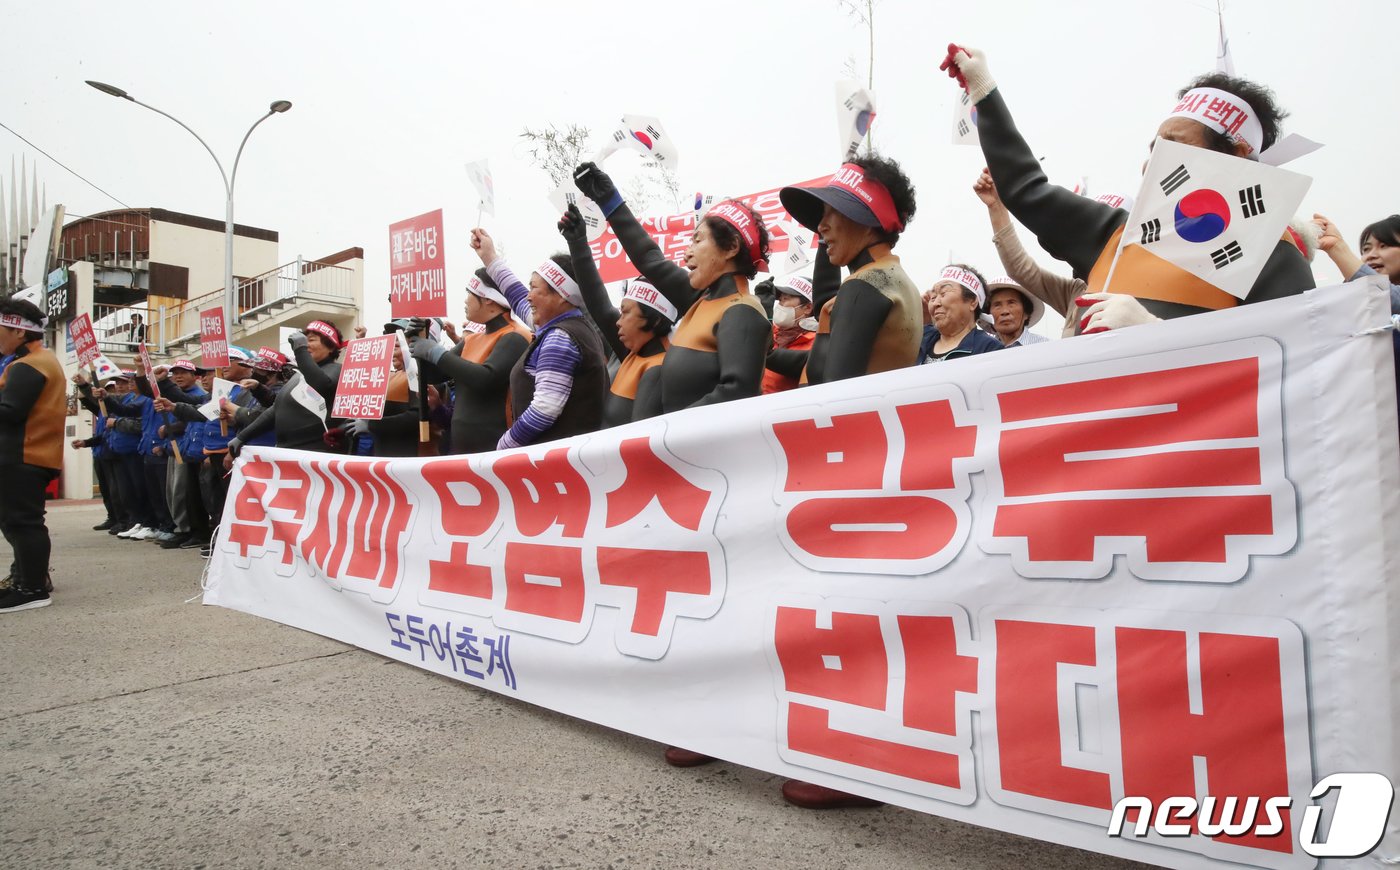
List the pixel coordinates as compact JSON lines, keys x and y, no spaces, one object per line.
{"x":276,"y":108}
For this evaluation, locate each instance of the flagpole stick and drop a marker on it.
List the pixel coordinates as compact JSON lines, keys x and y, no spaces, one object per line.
{"x":480,"y":205}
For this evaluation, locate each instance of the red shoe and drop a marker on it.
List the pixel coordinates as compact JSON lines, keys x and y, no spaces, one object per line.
{"x":677,"y":757}
{"x":818,"y":797}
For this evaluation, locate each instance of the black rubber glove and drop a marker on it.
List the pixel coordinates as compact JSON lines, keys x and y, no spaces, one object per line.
{"x":595,"y":184}
{"x":297,"y":340}
{"x":571,"y":225}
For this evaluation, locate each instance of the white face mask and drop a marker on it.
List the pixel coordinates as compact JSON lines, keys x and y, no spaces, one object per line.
{"x":784,"y":316}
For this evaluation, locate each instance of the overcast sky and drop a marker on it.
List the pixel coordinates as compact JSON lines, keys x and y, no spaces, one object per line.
{"x":391,"y":101}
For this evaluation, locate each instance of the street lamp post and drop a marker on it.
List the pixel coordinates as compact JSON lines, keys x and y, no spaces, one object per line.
{"x":276,"y":108}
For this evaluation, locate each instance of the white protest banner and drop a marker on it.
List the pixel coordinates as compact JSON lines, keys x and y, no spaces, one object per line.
{"x":417,"y":267}
{"x":965,"y":121}
{"x":1010,"y":590}
{"x":567,"y":194}
{"x":1214,"y":215}
{"x":480,"y":174}
{"x":855,"y":112}
{"x":364,"y":378}
{"x":222,"y":390}
{"x":646,"y":136}
{"x":84,"y":340}
{"x":213,"y":338}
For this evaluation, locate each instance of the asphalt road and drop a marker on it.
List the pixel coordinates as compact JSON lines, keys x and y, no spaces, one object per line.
{"x":144,"y":731}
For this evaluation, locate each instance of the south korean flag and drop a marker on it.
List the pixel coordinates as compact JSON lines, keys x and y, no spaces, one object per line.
{"x":965,"y":121}
{"x":1215,"y":215}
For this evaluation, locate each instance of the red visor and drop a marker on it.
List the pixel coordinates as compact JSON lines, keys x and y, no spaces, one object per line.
{"x":743,"y":222}
{"x":874,"y":195}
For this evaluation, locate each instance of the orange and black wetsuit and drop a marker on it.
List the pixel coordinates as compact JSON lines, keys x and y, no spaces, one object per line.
{"x":871,"y":322}
{"x":718,"y":348}
{"x":1085,"y":233}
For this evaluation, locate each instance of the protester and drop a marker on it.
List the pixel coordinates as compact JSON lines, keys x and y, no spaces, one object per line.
{"x":479,"y":366}
{"x":637,"y":333}
{"x":297,"y":426}
{"x":1380,"y":252}
{"x":557,"y":385}
{"x":153,"y":465}
{"x":395,"y":433}
{"x":1085,"y":233}
{"x":33,"y":410}
{"x":953,"y":304}
{"x":1054,"y":290}
{"x":873,"y":323}
{"x":719,"y":346}
{"x":136,"y":333}
{"x":794,"y":330}
{"x":103,"y":459}
{"x":180,"y":388}
{"x":1013,"y":312}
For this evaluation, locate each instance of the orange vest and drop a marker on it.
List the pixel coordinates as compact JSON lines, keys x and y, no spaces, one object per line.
{"x":398,"y":386}
{"x":629,"y":374}
{"x":477,"y":346}
{"x":1147,"y":276}
{"x":43,"y":428}
{"x":696,"y":331}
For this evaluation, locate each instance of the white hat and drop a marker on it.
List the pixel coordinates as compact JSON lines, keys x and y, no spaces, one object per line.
{"x":1004,"y":283}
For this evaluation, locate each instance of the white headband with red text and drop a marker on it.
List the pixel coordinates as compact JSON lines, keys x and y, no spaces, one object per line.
{"x":561,"y":282}
{"x":1224,"y":113}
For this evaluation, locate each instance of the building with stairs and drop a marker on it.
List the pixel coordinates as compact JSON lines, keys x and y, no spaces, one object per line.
{"x":145,"y":274}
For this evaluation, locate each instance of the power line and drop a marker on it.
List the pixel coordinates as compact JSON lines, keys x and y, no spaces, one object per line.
{"x":56,"y":160}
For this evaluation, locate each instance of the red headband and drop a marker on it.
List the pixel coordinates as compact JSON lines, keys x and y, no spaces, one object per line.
{"x":876,"y":197}
{"x":744,"y":223}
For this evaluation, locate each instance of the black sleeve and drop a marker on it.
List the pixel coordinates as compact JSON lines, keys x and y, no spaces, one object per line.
{"x":87,"y":401}
{"x":121,"y":409}
{"x":1069,"y":227}
{"x":786,"y":362}
{"x":319,"y":379}
{"x":263,"y":395}
{"x":23,"y":385}
{"x":168,"y":390}
{"x":856,"y":318}
{"x":743,"y":338}
{"x":174,"y":430}
{"x":143,"y":386}
{"x":647,"y":404}
{"x":595,"y":295}
{"x":494,"y":371}
{"x":666,"y":276}
{"x":402,"y":424}
{"x":244,"y":417}
{"x":189,"y":412}
{"x":1285,"y":274}
{"x":258,"y":425}
{"x":826,"y":280}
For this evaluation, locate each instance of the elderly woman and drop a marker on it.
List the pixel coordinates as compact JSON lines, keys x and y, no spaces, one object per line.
{"x":1085,"y":233}
{"x":636,"y":332}
{"x":718,"y":348}
{"x":952,"y":306}
{"x":317,"y":351}
{"x":872,"y":323}
{"x":557,"y":385}
{"x":479,"y":366}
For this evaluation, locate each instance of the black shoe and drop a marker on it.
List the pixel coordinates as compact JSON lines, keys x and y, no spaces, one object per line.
{"x":174,"y":541}
{"x":23,"y":599}
{"x":119,"y":528}
{"x":105,"y":525}
{"x":194,"y":542}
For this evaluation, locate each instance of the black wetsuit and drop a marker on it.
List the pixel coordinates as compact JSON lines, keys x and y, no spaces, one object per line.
{"x":1085,"y":233}
{"x":480,"y":367}
{"x":719,"y":347}
{"x":635,"y":391}
{"x":296,"y":427}
{"x":396,"y":433}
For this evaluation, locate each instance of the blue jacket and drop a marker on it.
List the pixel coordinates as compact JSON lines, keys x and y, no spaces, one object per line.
{"x":974,"y":342}
{"x":192,"y":440}
{"x":124,"y":443}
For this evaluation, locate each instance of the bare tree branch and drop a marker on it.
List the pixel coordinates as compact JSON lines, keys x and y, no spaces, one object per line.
{"x":557,"y":151}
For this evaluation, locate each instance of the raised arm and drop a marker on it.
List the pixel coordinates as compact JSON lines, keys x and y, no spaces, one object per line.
{"x":321,"y":380}
{"x":672,"y":280}
{"x":826,"y":279}
{"x":516,"y":293}
{"x":595,"y":294}
{"x":492,"y":372}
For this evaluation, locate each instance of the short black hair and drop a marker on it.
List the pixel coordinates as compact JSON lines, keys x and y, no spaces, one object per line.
{"x":27,"y":310}
{"x":888,"y":172}
{"x":968,"y":294}
{"x":1386,"y":231}
{"x":1260,"y":98}
{"x":725,"y":235}
{"x":565,"y":262}
{"x":485,"y":277}
{"x":658,"y":324}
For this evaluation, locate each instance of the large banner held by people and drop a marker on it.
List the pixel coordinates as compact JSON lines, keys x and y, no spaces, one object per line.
{"x":672,"y":234}
{"x":1155,"y":564}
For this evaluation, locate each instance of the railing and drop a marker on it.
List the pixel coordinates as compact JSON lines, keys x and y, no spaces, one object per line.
{"x":113,"y":324}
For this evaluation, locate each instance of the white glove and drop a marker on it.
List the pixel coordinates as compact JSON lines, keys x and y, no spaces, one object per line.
{"x":969,"y":67}
{"x":1104,"y":311}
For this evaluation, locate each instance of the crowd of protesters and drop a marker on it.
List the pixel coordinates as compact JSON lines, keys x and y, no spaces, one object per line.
{"x":549,"y":356}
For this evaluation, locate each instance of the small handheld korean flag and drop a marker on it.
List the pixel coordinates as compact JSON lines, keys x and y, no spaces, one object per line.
{"x":798,"y":253}
{"x":1214,"y":215}
{"x":480,"y":174}
{"x":567,"y":194}
{"x":302,"y":393}
{"x":965,"y":121}
{"x":103,"y":368}
{"x":222,"y":390}
{"x":646,"y":136}
{"x":855,"y":112}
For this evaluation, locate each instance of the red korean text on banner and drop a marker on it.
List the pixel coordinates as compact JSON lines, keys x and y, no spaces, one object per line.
{"x":364,"y":378}
{"x":213,"y":338}
{"x":84,"y":341}
{"x":672,"y":234}
{"x":417,"y":271}
{"x":146,"y":364}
